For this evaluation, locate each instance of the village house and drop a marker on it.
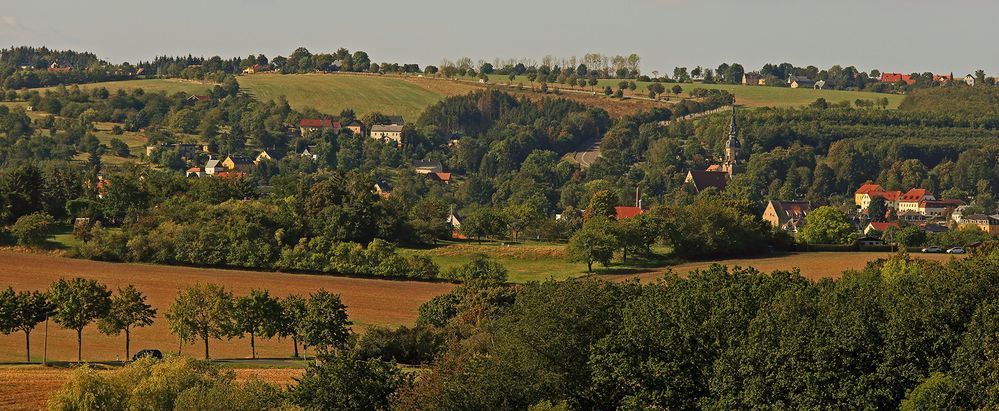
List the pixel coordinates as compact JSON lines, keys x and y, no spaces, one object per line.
{"x":625,"y":212}
{"x":454,"y":222}
{"x":309,"y":126}
{"x":896,"y":77}
{"x":387,"y":132}
{"x":702,"y":180}
{"x":238,"y":163}
{"x":820,"y":85}
{"x":309,"y":152}
{"x":787,"y":215}
{"x":969,"y":80}
{"x":195,"y":172}
{"x":877,"y":227}
{"x":427,"y":166}
{"x":213,"y":167}
{"x":909,"y":201}
{"x":272,"y":154}
{"x":939,"y":208}
{"x":195,"y":99}
{"x":800,"y":82}
{"x":356,"y":127}
{"x":986,"y":223}
{"x":383,"y":189}
{"x":56,"y":68}
{"x":868,"y":192}
{"x":440,"y":177}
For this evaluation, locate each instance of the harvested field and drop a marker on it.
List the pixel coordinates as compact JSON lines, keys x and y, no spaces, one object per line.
{"x":813,"y":265}
{"x":369,"y":302}
{"x":28,"y":387}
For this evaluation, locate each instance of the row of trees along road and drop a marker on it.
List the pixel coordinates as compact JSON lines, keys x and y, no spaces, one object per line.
{"x":74,"y":304}
{"x":198,"y":312}
{"x":205,"y":311}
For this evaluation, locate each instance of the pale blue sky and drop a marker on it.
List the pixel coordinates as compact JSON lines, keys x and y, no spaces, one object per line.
{"x":892,"y":35}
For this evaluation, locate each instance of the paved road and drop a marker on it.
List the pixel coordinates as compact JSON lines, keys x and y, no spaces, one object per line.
{"x":586,"y":157}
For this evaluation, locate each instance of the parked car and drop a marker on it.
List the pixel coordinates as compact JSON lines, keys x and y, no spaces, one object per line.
{"x":956,"y":250}
{"x":147,"y":353}
{"x":933,"y":249}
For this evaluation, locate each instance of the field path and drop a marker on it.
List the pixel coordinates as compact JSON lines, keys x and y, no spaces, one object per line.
{"x":369,"y":302}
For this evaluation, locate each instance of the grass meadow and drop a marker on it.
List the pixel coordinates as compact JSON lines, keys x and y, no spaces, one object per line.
{"x":332,"y":93}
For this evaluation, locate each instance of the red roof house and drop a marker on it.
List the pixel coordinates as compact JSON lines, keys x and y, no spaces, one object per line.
{"x":622,"y":212}
{"x":896,"y":77}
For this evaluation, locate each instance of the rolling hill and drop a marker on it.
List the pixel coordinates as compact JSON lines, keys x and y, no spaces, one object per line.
{"x":332,"y":93}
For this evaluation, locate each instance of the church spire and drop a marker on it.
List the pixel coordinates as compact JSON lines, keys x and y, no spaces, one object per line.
{"x":733,"y":131}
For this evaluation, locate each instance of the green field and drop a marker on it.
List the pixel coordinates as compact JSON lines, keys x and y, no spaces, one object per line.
{"x":752,"y":96}
{"x":531,"y":261}
{"x":169,"y":86}
{"x":332,"y":93}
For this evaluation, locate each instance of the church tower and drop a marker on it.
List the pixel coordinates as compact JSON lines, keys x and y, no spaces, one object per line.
{"x":731,"y":164}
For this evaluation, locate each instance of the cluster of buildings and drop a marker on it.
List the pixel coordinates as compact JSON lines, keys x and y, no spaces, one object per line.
{"x":756,"y":79}
{"x":939,"y":78}
{"x":717,"y":175}
{"x":387,"y":132}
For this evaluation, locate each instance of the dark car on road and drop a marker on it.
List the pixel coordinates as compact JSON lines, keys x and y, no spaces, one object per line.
{"x":147,"y":353}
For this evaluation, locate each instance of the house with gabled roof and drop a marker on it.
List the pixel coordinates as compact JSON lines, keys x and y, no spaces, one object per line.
{"x":308,"y":126}
{"x":428,"y":166}
{"x":440,"y":177}
{"x":356,"y":127}
{"x":866,"y":188}
{"x":702,"y":180}
{"x":800,"y":82}
{"x":787,"y":215}
{"x":624,"y":212}
{"x":876,"y":227}
{"x":909,"y":201}
{"x":387,"y":132}
{"x":241,"y":164}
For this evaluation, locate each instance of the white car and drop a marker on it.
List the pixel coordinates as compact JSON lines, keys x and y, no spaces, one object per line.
{"x":956,"y":250}
{"x":933,"y":249}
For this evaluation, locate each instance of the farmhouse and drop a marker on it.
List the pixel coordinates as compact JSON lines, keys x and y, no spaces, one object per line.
{"x":800,"y":82}
{"x":969,"y":80}
{"x":787,"y":215}
{"x":865,"y":189}
{"x":195,"y":172}
{"x":308,"y":126}
{"x":195,"y":99}
{"x":389,"y":132}
{"x":238,"y":163}
{"x":427,"y":166}
{"x":752,"y":79}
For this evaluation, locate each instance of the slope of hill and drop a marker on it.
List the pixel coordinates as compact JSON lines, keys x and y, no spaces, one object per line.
{"x":332,"y":93}
{"x":751,"y":96}
{"x":954,"y":100}
{"x":169,"y":86}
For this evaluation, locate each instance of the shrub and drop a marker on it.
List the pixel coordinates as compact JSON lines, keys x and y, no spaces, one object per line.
{"x":105,"y":244}
{"x":413,"y":346}
{"x":33,"y":229}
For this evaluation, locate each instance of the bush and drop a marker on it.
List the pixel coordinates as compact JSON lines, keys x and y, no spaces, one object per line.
{"x":345,"y":382}
{"x":481,"y":268}
{"x":406,"y":345}
{"x":33,"y":229}
{"x":174,"y":383}
{"x":105,"y":244}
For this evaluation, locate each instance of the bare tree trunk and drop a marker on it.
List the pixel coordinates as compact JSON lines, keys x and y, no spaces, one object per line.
{"x":294,"y":342}
{"x":79,"y":345}
{"x":206,"y":346}
{"x":253,"y":346}
{"x":128,"y":340}
{"x":27,"y":345}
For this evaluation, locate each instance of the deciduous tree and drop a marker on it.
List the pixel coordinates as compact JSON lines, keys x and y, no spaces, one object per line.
{"x":77,"y":303}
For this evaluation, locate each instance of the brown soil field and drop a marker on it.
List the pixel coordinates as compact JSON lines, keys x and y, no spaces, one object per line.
{"x":28,"y":387}
{"x":369,"y":302}
{"x":812,"y":265}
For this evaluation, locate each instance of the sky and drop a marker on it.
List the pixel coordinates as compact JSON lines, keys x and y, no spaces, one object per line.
{"x":890,"y":35}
